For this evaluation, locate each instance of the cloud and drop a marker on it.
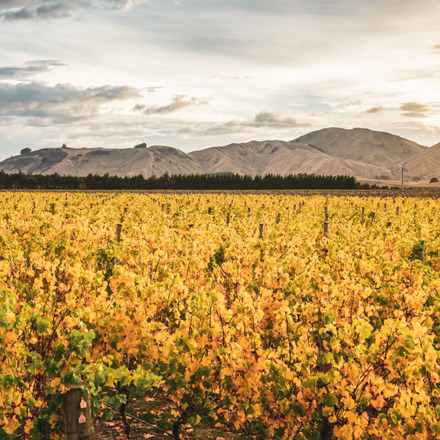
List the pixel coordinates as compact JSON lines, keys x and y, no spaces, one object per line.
{"x":415,"y":110}
{"x":178,"y":102}
{"x":63,"y":103}
{"x":15,"y":10}
{"x":274,"y":120}
{"x":263,"y":120}
{"x":375,"y":109}
{"x":31,"y":68}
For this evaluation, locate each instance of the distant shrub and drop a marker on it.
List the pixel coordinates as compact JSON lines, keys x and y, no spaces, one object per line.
{"x":25,"y":151}
{"x":434,"y":180}
{"x":143,"y":145}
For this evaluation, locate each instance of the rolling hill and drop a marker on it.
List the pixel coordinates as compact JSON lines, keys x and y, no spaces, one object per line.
{"x":359,"y":152}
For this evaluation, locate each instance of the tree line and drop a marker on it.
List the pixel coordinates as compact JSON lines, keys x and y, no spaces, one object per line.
{"x":219,"y":181}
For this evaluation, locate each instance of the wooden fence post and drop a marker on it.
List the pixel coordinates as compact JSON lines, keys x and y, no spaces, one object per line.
{"x":118,"y":232}
{"x":325,"y":228}
{"x":261,"y":229}
{"x":77,"y":414}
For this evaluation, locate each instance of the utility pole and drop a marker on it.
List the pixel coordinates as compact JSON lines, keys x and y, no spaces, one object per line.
{"x":402,"y":168}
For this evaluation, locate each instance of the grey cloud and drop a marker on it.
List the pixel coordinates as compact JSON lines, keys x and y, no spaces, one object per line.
{"x":415,"y":110}
{"x":178,"y":102}
{"x":31,"y":68}
{"x":153,"y":89}
{"x":273,"y":120}
{"x":15,"y":10}
{"x":375,"y":109}
{"x":33,"y":9}
{"x":63,"y":103}
{"x":414,"y":115}
{"x":414,"y":107}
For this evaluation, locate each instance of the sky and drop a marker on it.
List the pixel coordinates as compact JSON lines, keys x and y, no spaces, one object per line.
{"x":197,"y":73}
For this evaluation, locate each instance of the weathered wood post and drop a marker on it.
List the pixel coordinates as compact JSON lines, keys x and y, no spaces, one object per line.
{"x":228,"y":218}
{"x":278,"y":218}
{"x":397,"y":210}
{"x":52,"y":208}
{"x":363,"y":210}
{"x":261,"y":229}
{"x":209,"y":210}
{"x":325,"y":228}
{"x":373,"y":216}
{"x":118,"y":232}
{"x":77,"y":414}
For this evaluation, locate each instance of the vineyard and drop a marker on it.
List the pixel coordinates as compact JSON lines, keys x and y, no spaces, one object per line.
{"x":274,"y":316}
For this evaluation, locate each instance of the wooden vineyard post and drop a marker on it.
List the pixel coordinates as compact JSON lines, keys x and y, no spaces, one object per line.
{"x":209,"y":210}
{"x":228,"y":218}
{"x":278,"y":218}
{"x":325,"y":228}
{"x":397,"y":211}
{"x":77,"y":414}
{"x":118,"y":232}
{"x":261,"y":230}
{"x":363,"y":210}
{"x":52,"y":208}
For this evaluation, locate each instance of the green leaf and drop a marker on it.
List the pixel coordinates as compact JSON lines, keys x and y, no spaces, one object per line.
{"x":43,"y":324}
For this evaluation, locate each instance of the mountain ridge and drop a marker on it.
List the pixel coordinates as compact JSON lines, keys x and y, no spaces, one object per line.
{"x":359,"y":152}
